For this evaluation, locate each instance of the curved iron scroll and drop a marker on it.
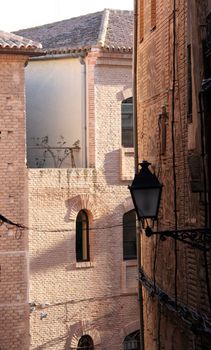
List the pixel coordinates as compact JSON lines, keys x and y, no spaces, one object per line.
{"x":199,"y":238}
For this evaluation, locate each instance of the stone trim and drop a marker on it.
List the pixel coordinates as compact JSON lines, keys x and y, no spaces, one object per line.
{"x":129,"y":328}
{"x":84,"y":328}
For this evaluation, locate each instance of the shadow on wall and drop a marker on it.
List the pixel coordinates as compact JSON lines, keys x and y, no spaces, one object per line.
{"x":61,"y":251}
{"x":52,"y":257}
{"x":112,"y":168}
{"x":74,"y":333}
{"x":52,"y":343}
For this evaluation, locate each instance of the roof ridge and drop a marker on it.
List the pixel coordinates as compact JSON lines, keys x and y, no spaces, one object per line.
{"x":107,"y":29}
{"x":103,"y":28}
{"x":121,"y":11}
{"x":57,"y":22}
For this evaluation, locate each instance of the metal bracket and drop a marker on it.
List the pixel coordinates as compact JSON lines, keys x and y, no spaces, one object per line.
{"x":199,"y":238}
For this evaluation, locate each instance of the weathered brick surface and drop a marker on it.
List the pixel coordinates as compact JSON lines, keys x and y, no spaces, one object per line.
{"x":14,"y":316}
{"x":97,"y":297}
{"x":154,"y":91}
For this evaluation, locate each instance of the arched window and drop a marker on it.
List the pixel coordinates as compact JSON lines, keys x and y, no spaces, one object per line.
{"x":127,"y":122}
{"x":85,"y":343}
{"x":132,"y":341}
{"x":82,"y":236}
{"x":129,"y":235}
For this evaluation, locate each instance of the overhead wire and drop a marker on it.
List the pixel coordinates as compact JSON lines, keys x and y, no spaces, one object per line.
{"x":173,"y":146}
{"x":203,"y":154}
{"x":4,"y":220}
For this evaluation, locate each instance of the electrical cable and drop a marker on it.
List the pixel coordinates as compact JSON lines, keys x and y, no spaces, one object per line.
{"x":36,"y":229}
{"x":7,"y":221}
{"x":205,"y":195}
{"x":196,"y":321}
{"x":155,"y":260}
{"x":173,"y":145}
{"x":158,"y":326}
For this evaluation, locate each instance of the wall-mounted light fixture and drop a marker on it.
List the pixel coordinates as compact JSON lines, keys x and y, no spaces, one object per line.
{"x":146,"y":194}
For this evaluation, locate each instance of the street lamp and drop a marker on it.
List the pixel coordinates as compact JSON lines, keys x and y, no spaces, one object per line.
{"x":146,"y":193}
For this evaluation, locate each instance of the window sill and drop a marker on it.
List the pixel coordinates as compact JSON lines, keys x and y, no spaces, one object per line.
{"x":126,"y":163}
{"x":84,"y":264}
{"x":130,"y":262}
{"x":129,"y":276}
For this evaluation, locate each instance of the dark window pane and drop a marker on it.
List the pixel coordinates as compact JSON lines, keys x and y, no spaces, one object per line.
{"x":132,"y":341}
{"x":82,"y":236}
{"x":129,"y":235}
{"x":85,"y":343}
{"x":127,"y":123}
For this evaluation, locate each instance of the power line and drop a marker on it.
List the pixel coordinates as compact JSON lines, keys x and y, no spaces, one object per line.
{"x":4,"y":220}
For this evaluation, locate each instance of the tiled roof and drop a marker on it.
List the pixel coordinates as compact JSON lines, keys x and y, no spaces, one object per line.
{"x":9,"y":41}
{"x":109,"y":29}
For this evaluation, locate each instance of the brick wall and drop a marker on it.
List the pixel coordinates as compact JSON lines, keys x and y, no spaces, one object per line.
{"x":14,"y":329}
{"x":96,"y":297}
{"x":154,"y":93}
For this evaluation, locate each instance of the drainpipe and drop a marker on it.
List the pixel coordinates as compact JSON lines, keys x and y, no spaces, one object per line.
{"x":84,"y":108}
{"x":135,"y":136}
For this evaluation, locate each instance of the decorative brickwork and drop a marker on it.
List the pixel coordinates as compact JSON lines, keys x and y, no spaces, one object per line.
{"x":97,"y":297}
{"x":14,"y":313}
{"x":162,"y":86}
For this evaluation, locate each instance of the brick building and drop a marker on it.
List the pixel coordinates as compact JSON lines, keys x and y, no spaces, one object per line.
{"x":14,"y":311}
{"x":82,"y":275}
{"x":173,"y":113}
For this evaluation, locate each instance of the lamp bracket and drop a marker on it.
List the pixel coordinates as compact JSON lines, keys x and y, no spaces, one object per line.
{"x":199,"y":238}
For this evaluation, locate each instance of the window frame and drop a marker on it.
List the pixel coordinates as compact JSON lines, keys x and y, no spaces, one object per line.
{"x":82,"y":248}
{"x":127,"y":113}
{"x":125,"y":234}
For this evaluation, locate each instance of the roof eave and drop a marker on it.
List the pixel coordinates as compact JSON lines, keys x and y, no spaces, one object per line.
{"x":31,"y":52}
{"x":66,"y":50}
{"x":120,"y":49}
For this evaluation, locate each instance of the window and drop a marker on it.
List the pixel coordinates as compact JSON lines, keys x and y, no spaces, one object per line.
{"x":141,"y":20}
{"x":82,"y":236}
{"x":85,"y":343}
{"x":129,"y":235}
{"x":132,"y":341}
{"x":153,"y":14}
{"x":127,"y":122}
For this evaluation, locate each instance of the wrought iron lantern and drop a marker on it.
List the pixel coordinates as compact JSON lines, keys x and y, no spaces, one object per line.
{"x":146,"y":193}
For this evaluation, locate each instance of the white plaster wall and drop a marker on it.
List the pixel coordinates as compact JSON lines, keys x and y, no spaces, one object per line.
{"x":54,"y":98}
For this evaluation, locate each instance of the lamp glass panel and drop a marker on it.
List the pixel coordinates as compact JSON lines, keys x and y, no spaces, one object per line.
{"x":147,"y":201}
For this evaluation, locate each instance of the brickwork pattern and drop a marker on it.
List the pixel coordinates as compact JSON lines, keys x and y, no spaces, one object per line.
{"x":14,"y":313}
{"x":154,"y":91}
{"x":97,"y":297}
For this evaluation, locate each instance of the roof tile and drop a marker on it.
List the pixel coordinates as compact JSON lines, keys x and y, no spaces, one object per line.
{"x":12,"y":41}
{"x":111,"y":29}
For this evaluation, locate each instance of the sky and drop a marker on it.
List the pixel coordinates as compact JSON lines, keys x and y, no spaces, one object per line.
{"x":21,"y":14}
